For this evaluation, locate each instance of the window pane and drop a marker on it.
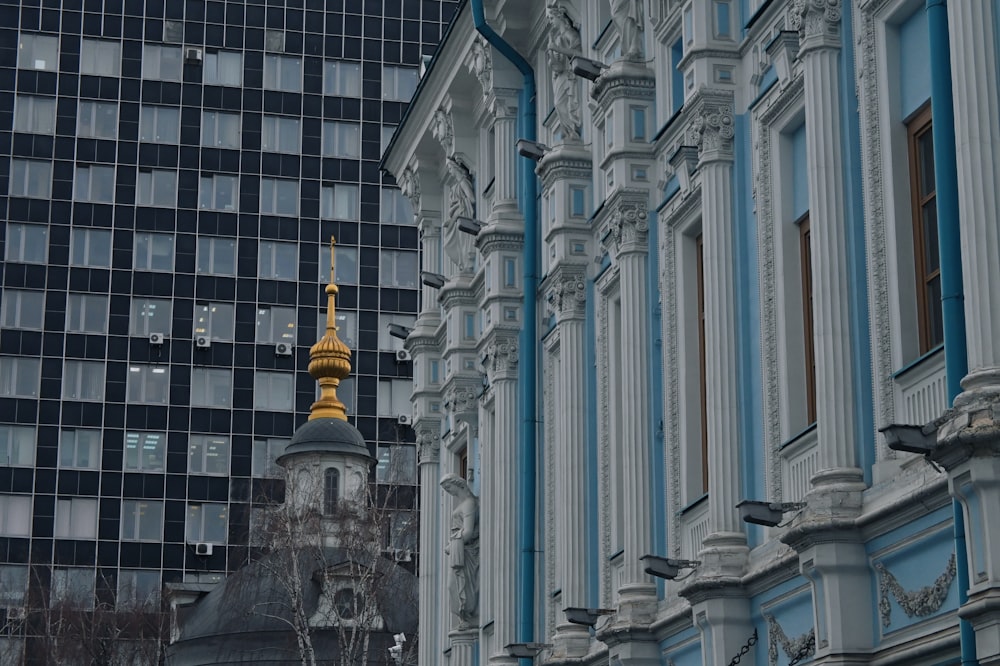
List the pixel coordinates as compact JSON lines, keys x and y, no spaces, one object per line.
{"x":38,"y":52}
{"x":35,"y":115}
{"x":22,"y":308}
{"x":150,"y":315}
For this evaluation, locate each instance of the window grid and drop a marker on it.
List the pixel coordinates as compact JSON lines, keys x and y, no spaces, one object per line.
{"x":35,"y":115}
{"x":208,"y":454}
{"x":149,"y":384}
{"x":97,"y":120}
{"x":17,"y":445}
{"x":90,"y":247}
{"x":83,"y":380}
{"x":30,"y":178}
{"x":21,"y":308}
{"x":100,"y":57}
{"x":87,"y":313}
{"x":145,"y":451}
{"x":80,"y":449}
{"x":156,"y":187}
{"x":94,"y":184}
{"x":216,"y":256}
{"x":218,"y":192}
{"x":277,"y":260}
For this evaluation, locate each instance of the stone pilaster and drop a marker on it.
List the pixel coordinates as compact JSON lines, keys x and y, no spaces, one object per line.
{"x":463,"y":648}
{"x":505,"y":169}
{"x":501,"y":522}
{"x":431,"y":538}
{"x":819,"y":51}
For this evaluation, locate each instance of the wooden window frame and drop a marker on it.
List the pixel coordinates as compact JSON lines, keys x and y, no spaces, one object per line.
{"x":808,"y":332}
{"x":917,"y":126}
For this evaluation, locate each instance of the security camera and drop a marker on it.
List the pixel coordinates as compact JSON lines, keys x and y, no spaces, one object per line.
{"x":469,"y":226}
{"x":531,"y":149}
{"x":909,"y":438}
{"x":587,"y":68}
{"x":665,"y":567}
{"x":399,"y":331}
{"x":768,"y":514}
{"x":432,"y":280}
{"x":586,"y":616}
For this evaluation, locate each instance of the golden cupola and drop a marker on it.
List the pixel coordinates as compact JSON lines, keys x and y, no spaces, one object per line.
{"x":330,"y":358}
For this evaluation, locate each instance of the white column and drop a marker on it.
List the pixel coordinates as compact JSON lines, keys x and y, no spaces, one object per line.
{"x":819,"y":53}
{"x":430,"y":544}
{"x":630,"y":227}
{"x":430,"y":261}
{"x":977,"y":138}
{"x":504,"y":502}
{"x":463,"y":648}
{"x":505,"y":169}
{"x":714,"y":136}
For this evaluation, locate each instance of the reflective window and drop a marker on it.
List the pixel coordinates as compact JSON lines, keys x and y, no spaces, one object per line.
{"x":83,"y":380}
{"x":150,"y":315}
{"x":220,"y":130}
{"x":156,"y":187}
{"x":80,"y":449}
{"x":280,"y":134}
{"x":278,"y":261}
{"x":38,"y":52}
{"x":159,"y":124}
{"x":264,"y":454}
{"x":279,"y":196}
{"x":154,"y":252}
{"x":218,"y":192}
{"x":17,"y":445}
{"x":35,"y":115}
{"x":72,"y":587}
{"x":162,"y":63}
{"x":223,"y":68}
{"x":145,"y":451}
{"x":99,"y":57}
{"x":282,"y":73}
{"x":339,"y":202}
{"x":215,"y":321}
{"x":341,"y":139}
{"x":216,"y":256}
{"x":30,"y":178}
{"x":275,"y":324}
{"x":273,"y":390}
{"x":211,"y":387}
{"x":207,"y":523}
{"x":208,"y":454}
{"x":97,"y":120}
{"x":342,"y":78}
{"x":142,"y":520}
{"x":20,"y":308}
{"x":148,"y":384}
{"x":138,"y":589}
{"x":90,"y":247}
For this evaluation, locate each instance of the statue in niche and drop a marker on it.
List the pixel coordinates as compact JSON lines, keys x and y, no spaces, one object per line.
{"x":463,"y":551}
{"x":627,"y":16}
{"x":461,"y":203}
{"x":564,"y":39}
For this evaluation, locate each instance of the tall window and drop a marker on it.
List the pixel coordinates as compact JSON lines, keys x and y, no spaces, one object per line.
{"x":220,"y":130}
{"x":282,"y":73}
{"x":17,"y":445}
{"x":13,"y":585}
{"x":15,"y":515}
{"x":211,"y":387}
{"x":90,"y":247}
{"x":35,"y":115}
{"x":87,"y":313}
{"x":398,"y":83}
{"x":97,"y":120}
{"x":280,"y":134}
{"x":154,"y":252}
{"x":398,"y":269}
{"x":156,"y":187}
{"x":395,"y":207}
{"x":278,"y":261}
{"x":923,"y":202}
{"x":279,"y":196}
{"x":149,"y":384}
{"x":83,"y":380}
{"x":218,"y":192}
{"x":208,"y":454}
{"x":21,"y":308}
{"x":76,"y":518}
{"x":142,"y":520}
{"x":331,"y":490}
{"x":397,"y":464}
{"x":264,"y":454}
{"x":339,"y":202}
{"x":94,"y":183}
{"x":145,"y":451}
{"x":159,"y":124}
{"x":30,"y":178}
{"x":27,"y":243}
{"x":216,"y":256}
{"x":273,"y":390}
{"x":341,"y":139}
{"x":342,"y":78}
{"x":150,"y":315}
{"x":223,"y":68}
{"x":73,"y":587}
{"x":805,"y":257}
{"x":702,"y":379}
{"x":162,"y":63}
{"x":100,"y":57}
{"x":207,"y":523}
{"x":19,"y":377}
{"x":275,"y":324}
{"x":38,"y":52}
{"x":216,"y":321}
{"x":80,"y":449}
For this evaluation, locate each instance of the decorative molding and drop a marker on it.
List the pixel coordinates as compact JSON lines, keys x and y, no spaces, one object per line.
{"x":629,"y":226}
{"x":604,"y":452}
{"x":409,"y":185}
{"x":443,"y":129}
{"x":480,"y":63}
{"x":501,"y":357}
{"x":712,"y":126}
{"x":568,"y":292}
{"x":428,"y":447}
{"x":795,"y":649}
{"x":818,"y":23}
{"x":549,"y":402}
{"x":919,"y":603}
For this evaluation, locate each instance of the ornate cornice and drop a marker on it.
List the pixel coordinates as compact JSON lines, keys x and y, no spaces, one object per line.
{"x":489,"y":241}
{"x":712,"y":126}
{"x":623,"y":79}
{"x":818,"y":23}
{"x":919,"y":603}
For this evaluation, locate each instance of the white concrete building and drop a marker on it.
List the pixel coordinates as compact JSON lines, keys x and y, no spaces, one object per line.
{"x":718,"y":278}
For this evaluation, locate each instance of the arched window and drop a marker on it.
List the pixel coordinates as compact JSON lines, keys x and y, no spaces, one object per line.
{"x":331,"y":489}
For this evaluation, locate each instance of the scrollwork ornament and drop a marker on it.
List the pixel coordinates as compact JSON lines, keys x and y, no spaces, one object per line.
{"x":816,"y":19}
{"x":794,"y":648}
{"x":713,"y":130}
{"x":502,"y":356}
{"x":630,"y":227}
{"x":428,"y":446}
{"x":919,"y":603}
{"x":568,"y":297}
{"x":443,"y":129}
{"x":463,"y":400}
{"x":480,"y":63}
{"x":409,"y":185}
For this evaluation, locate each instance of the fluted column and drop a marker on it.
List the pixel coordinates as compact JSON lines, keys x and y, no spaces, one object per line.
{"x":568,"y":297}
{"x":429,"y":452}
{"x":630,"y":232}
{"x":505,"y":174}
{"x":977,"y":138}
{"x":819,"y":52}
{"x":463,"y":648}
{"x":502,"y":521}
{"x":713,"y":133}
{"x":430,"y":261}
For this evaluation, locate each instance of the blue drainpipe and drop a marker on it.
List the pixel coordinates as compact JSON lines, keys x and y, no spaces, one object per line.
{"x":952,"y":291}
{"x":527,"y":353}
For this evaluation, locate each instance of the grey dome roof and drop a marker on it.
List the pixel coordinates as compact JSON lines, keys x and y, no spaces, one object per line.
{"x":327,"y":435}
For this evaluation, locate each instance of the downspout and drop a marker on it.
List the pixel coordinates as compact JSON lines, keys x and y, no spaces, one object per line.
{"x":950,"y":247}
{"x":527,"y":352}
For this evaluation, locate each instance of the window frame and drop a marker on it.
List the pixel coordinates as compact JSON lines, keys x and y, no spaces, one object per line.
{"x":150,"y":255}
{"x":203,"y":508}
{"x":205,"y":387}
{"x":272,"y":404}
{"x":85,"y":241}
{"x":269,"y":192}
{"x":132,"y":517}
{"x":272,"y":254}
{"x":35,"y":173}
{"x":213,"y":196}
{"x":74,"y":525}
{"x":918,"y":126}
{"x":151,"y":192}
{"x":77,"y":374}
{"x":69,"y":437}
{"x":154,"y":71}
{"x":20,"y":365}
{"x":154,"y":462}
{"x":203,"y":442}
{"x":28,"y":51}
{"x":210,"y":328}
{"x":135,"y":316}
{"x":80,"y":316}
{"x":275,"y":132}
{"x":27,"y":109}
{"x":145,"y":391}
{"x":275,"y":78}
{"x":151,"y":117}
{"x":215,"y":249}
{"x":108,"y":52}
{"x":14,"y":310}
{"x":15,"y":450}
{"x":88,"y":115}
{"x":98,"y":177}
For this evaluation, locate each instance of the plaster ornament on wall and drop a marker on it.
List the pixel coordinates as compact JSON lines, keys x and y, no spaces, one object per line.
{"x":629,"y":18}
{"x":815,"y":18}
{"x":568,"y":296}
{"x":919,"y":603}
{"x":459,"y":246}
{"x":713,"y":129}
{"x":409,"y":185}
{"x":443,"y":129}
{"x":795,"y":649}
{"x":629,"y":226}
{"x":463,"y":551}
{"x":462,"y":400}
{"x":428,"y":446}
{"x":480,"y":62}
{"x":501,"y":356}
{"x":564,"y":39}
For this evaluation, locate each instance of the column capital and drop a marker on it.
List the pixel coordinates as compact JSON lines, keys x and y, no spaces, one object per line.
{"x":567,"y":291}
{"x":428,"y":446}
{"x":500,"y":357}
{"x":629,"y":225}
{"x":818,"y":23}
{"x":712,"y":125}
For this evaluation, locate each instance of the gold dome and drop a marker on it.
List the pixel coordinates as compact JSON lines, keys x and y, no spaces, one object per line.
{"x":330,"y":358}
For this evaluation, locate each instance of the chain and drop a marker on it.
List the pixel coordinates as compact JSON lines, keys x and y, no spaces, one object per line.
{"x":745,"y":649}
{"x":806,"y":650}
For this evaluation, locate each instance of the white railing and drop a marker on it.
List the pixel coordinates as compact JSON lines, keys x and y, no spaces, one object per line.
{"x":694,"y":529}
{"x":923,"y":391}
{"x":799,"y":460}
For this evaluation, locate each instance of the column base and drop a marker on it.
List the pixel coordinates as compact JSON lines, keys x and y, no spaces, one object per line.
{"x":979,"y":387}
{"x":723,"y":555}
{"x":463,"y":647}
{"x":570,"y":642}
{"x":836,"y":496}
{"x":983,"y":611}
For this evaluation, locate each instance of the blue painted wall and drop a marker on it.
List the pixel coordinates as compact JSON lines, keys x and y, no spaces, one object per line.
{"x":915,"y":63}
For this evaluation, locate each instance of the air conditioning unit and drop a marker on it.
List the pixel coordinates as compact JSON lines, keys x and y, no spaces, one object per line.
{"x":402,"y":356}
{"x":156,"y":339}
{"x":402,"y":555}
{"x":282,"y":349}
{"x":192,"y":55}
{"x":403,"y":419}
{"x":16,"y":613}
{"x":202,"y":342}
{"x":203,"y":549}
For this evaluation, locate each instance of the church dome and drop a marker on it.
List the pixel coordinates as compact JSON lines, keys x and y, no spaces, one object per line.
{"x":327,"y":435}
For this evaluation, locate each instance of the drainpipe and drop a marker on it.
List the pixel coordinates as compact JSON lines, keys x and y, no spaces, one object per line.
{"x":527,"y":354}
{"x":952,"y":291}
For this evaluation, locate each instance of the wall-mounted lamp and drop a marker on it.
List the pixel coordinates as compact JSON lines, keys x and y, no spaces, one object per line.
{"x":399,"y":331}
{"x":432,"y":280}
{"x":665,"y":567}
{"x":768,"y":514}
{"x":910,"y":438}
{"x":531,"y":149}
{"x":587,"y":68}
{"x":469,"y":226}
{"x":588,"y":617}
{"x":525,"y":650}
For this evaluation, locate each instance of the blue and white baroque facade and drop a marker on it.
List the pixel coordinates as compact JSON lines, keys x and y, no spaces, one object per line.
{"x":720,"y":279}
